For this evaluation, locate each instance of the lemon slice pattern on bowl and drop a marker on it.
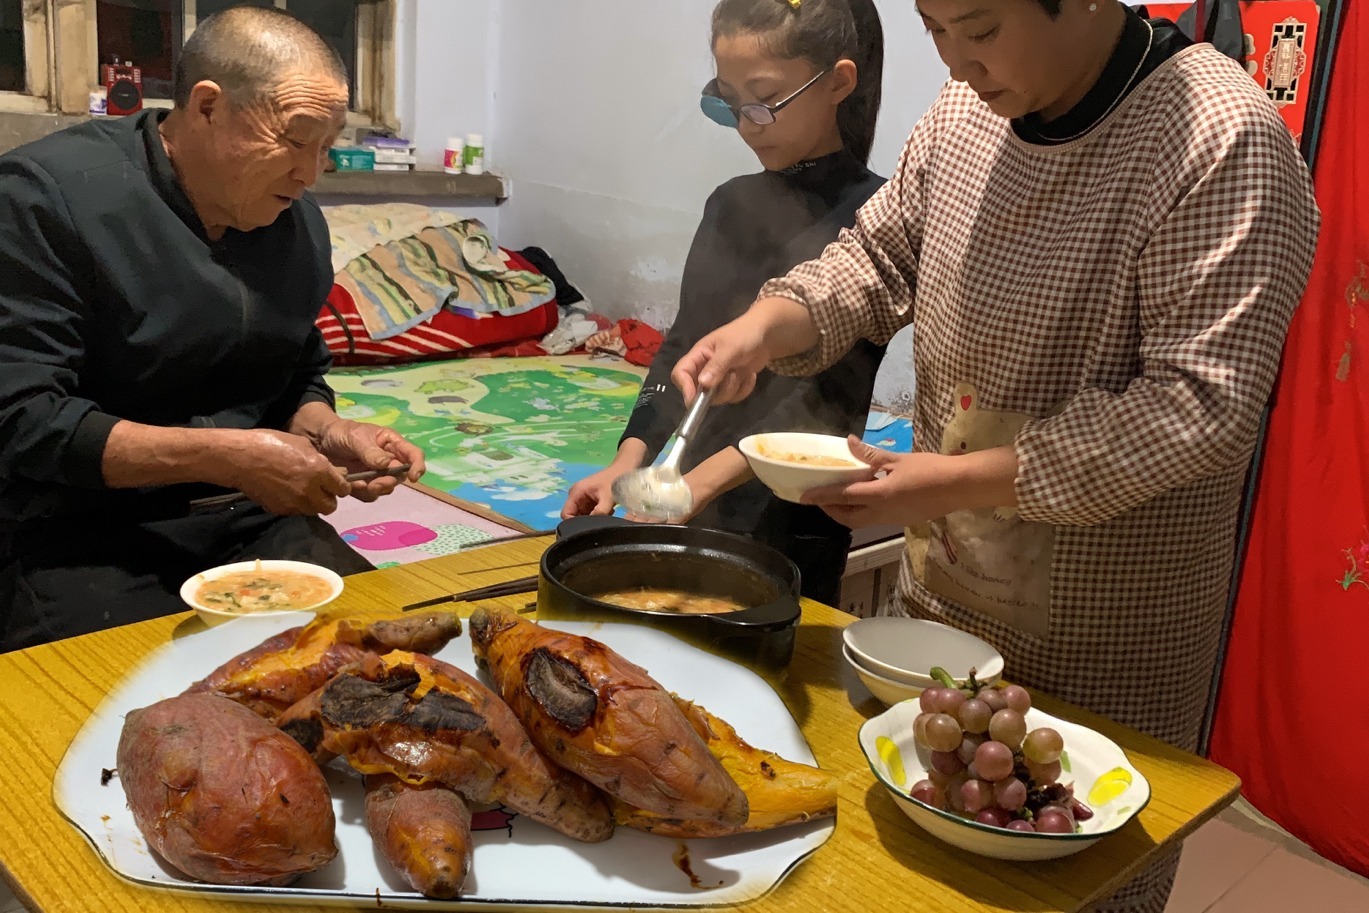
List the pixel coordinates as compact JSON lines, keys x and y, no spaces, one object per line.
{"x":1109,"y":786}
{"x":893,"y":760}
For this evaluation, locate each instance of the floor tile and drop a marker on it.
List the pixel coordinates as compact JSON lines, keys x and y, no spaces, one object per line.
{"x":1215,"y":859}
{"x":1285,"y":881}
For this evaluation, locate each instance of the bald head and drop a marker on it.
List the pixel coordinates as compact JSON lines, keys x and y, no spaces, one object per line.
{"x":249,"y":50}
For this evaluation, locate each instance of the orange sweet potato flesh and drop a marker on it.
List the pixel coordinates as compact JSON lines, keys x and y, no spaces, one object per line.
{"x":423,"y":721}
{"x":423,"y":831}
{"x":778,"y":792}
{"x":284,"y":669}
{"x":599,"y":715}
{"x":222,"y":794}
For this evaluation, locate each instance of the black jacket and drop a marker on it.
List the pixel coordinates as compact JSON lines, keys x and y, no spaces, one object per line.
{"x":114,"y":304}
{"x":755,"y":228}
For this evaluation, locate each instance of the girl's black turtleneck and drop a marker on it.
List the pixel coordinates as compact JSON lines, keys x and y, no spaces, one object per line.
{"x":754,"y":228}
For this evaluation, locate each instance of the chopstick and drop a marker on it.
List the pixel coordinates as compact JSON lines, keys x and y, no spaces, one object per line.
{"x":465,"y":595}
{"x":493,"y":591}
{"x":395,"y":472}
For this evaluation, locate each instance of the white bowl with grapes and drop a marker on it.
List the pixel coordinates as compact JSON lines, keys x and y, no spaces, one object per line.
{"x":1017,"y":783}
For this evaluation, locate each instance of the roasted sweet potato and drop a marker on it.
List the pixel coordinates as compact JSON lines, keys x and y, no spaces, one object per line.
{"x":422,"y":720}
{"x":597,"y":714}
{"x":282,"y":670}
{"x":778,"y":792}
{"x":303,"y":723}
{"x":423,"y":831}
{"x":222,"y":794}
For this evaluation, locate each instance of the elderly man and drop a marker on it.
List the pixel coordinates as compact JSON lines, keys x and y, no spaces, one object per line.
{"x":159,"y":279}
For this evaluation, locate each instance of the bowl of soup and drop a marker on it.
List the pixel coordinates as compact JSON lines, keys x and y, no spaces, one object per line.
{"x":260,"y":587}
{"x":721,"y":591}
{"x":790,"y":463}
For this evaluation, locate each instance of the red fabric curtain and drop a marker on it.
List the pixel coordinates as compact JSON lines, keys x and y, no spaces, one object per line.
{"x":1291,"y":718}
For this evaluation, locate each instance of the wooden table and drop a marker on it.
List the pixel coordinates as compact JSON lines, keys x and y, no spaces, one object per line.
{"x":877,"y":860}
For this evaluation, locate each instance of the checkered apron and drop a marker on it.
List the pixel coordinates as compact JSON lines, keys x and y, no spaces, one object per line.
{"x":1127,"y":295}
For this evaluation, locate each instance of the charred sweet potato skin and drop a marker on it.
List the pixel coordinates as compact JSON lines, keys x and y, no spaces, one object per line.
{"x":222,"y":794}
{"x":423,"y":720}
{"x":599,"y":715}
{"x":423,"y":831}
{"x":284,"y":669}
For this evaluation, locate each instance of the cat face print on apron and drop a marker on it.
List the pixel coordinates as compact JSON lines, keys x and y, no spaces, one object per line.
{"x":989,"y":560}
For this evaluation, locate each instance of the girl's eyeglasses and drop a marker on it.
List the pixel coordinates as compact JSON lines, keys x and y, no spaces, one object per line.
{"x":723,"y":114}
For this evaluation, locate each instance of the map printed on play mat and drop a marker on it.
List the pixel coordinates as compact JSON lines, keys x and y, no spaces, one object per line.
{"x":512,"y":434}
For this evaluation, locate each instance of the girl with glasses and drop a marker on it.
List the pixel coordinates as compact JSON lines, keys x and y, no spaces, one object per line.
{"x":799,"y":81}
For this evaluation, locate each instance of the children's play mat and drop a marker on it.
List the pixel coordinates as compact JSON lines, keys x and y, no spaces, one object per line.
{"x":505,"y":439}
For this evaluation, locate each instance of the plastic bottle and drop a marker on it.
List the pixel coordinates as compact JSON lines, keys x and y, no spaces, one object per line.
{"x":475,"y":154}
{"x":453,"y":159}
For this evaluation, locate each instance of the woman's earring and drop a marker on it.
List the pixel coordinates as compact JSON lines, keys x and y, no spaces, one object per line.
{"x":1093,"y":7}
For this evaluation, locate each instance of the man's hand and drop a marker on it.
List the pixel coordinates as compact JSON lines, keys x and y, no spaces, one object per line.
{"x":284,"y":473}
{"x":358,"y":446}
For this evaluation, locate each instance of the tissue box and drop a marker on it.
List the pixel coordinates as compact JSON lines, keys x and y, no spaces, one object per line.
{"x":352,"y":158}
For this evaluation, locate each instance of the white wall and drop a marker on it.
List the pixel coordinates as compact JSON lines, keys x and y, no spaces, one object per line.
{"x":445,"y":53}
{"x":597,"y":122}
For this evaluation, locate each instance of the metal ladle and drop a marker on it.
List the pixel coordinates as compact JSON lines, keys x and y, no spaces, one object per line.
{"x":660,"y":492}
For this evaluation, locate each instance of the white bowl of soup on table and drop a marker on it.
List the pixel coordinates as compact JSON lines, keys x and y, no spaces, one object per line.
{"x":260,"y":587}
{"x":790,"y":463}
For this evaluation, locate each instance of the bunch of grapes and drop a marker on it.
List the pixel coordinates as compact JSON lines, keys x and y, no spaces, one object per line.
{"x":986,"y":766}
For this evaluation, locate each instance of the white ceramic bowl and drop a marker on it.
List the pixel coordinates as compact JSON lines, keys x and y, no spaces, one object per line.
{"x":899,"y":763}
{"x":788,"y":479}
{"x":214,"y":616}
{"x":906,"y":649}
{"x":886,"y":689}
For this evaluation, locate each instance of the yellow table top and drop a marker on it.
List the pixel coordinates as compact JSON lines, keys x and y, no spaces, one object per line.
{"x":877,"y":860}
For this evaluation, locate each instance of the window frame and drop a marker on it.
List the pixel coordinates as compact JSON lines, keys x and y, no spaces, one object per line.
{"x":38,"y":70}
{"x":61,"y":66}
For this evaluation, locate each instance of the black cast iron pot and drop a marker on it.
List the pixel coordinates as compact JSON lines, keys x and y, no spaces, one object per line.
{"x":598,"y":555}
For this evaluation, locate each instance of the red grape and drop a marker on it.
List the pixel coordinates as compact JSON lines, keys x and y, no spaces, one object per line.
{"x":1059,"y":809}
{"x":993,"y":697}
{"x":1042,"y":746}
{"x":993,"y":761}
{"x":1043,"y":774}
{"x":954,"y":798}
{"x":940,"y":779}
{"x":947,"y":762}
{"x":943,"y":732}
{"x":1018,"y":699}
{"x":920,"y":728}
{"x":975,"y":715}
{"x":995,"y":817}
{"x":1008,"y":727}
{"x":1018,"y":824}
{"x":968,"y":744}
{"x":950,"y":699}
{"x":1010,"y":794}
{"x":976,"y":795}
{"x":1053,"y":823}
{"x":928,"y":699}
{"x":927,"y":791}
